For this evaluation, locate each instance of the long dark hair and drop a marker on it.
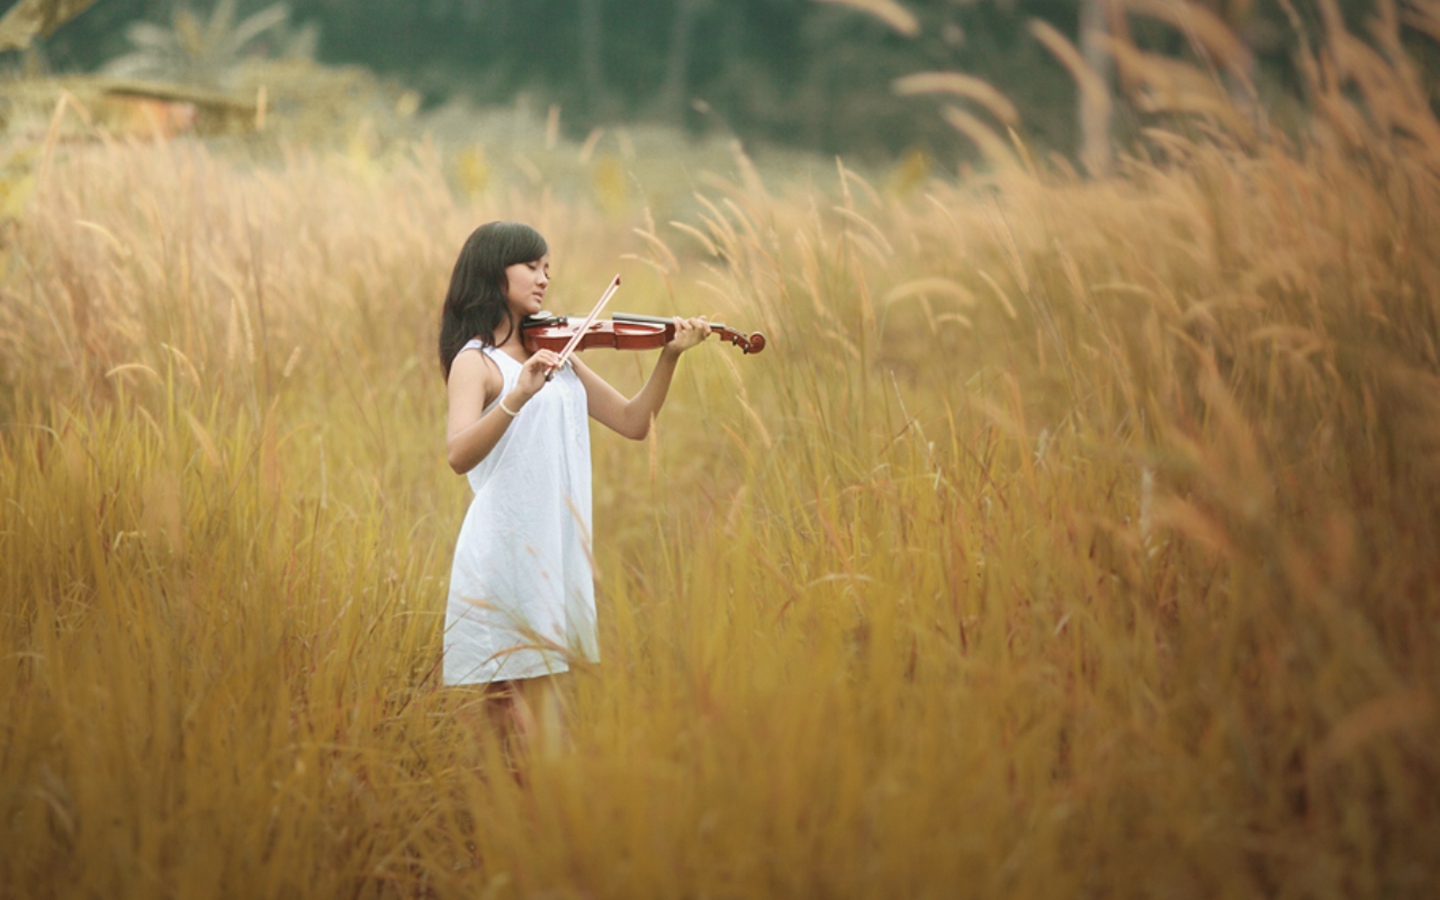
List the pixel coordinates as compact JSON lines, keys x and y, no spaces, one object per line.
{"x":475,"y":304}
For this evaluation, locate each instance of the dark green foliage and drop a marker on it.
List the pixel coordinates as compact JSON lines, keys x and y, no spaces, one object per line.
{"x":796,"y":72}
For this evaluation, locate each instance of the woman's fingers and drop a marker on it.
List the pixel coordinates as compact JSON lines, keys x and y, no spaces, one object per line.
{"x":545,"y":359}
{"x":690,"y":332}
{"x":542,"y":362}
{"x":537,"y":369}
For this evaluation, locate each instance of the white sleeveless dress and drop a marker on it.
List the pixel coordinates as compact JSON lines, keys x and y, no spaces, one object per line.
{"x":522,"y":587}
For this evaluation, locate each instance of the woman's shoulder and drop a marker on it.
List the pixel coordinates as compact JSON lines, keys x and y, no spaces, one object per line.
{"x":487,"y":351}
{"x":475,"y":361}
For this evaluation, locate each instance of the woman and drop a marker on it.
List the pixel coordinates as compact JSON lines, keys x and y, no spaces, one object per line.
{"x":522,"y":598}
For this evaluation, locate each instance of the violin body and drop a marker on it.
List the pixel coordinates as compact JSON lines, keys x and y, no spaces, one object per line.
{"x":622,"y":331}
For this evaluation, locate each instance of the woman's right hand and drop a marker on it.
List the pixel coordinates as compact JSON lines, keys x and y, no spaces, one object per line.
{"x":533,"y":374}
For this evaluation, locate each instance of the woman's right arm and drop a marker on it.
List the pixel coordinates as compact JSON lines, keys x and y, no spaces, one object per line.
{"x":475,"y":380}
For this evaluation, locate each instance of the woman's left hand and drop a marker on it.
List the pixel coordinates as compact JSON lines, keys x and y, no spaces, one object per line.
{"x":688,"y":333}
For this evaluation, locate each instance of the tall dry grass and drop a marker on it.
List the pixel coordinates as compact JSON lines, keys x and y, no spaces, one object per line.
{"x":1070,"y":539}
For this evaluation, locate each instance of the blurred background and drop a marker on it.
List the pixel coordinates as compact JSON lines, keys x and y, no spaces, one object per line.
{"x":811,"y":76}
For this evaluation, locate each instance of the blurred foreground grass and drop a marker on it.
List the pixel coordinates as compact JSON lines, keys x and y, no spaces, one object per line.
{"x":1070,"y":539}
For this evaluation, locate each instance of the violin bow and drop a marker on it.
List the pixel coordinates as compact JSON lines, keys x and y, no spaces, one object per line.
{"x":589,"y":320}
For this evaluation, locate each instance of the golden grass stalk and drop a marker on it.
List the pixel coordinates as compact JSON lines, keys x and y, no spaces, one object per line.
{"x":1166,"y":85}
{"x":961,"y":85}
{"x":1205,"y":29}
{"x":891,"y":12}
{"x":993,"y":147}
{"x":1423,"y":16}
{"x":1094,"y":92}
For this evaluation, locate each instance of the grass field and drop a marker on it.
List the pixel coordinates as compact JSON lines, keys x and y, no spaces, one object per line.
{"x":1070,"y":538}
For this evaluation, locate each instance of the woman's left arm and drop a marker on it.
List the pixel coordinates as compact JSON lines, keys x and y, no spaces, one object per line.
{"x":632,"y":417}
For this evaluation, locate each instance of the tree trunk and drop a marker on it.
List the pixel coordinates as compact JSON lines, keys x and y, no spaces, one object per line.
{"x":591,"y":61}
{"x":1095,"y":149}
{"x":671,"y":99}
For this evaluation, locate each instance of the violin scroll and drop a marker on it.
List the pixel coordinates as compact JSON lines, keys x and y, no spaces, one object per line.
{"x":754,"y":342}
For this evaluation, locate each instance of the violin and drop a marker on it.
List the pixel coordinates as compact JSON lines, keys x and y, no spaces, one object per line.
{"x":622,"y":331}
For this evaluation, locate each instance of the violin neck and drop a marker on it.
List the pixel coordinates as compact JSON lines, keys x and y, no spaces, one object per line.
{"x":716,"y":327}
{"x":650,"y":320}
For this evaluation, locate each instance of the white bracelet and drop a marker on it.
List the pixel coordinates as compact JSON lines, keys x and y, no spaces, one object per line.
{"x":507,"y":409}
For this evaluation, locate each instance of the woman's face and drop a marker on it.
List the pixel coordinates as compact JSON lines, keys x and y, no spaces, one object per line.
{"x":525,"y":285}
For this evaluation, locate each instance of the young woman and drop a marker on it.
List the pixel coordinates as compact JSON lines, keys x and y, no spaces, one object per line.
{"x":522,"y":598}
